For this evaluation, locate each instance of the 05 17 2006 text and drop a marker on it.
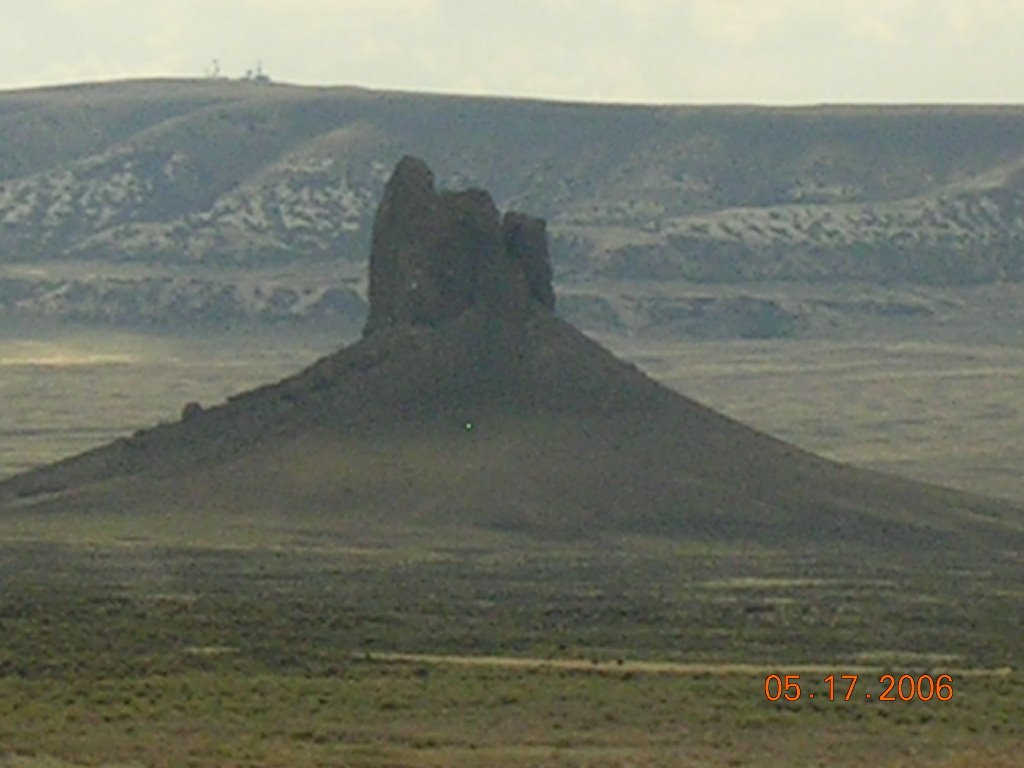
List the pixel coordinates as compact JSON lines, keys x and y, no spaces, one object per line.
{"x":842,"y":687}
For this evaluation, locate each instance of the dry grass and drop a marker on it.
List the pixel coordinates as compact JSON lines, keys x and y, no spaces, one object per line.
{"x":322,"y":646}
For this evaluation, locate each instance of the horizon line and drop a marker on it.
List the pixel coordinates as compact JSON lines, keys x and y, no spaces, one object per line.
{"x":270,"y":83}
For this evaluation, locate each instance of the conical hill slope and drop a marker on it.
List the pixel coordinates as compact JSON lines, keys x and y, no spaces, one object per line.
{"x":469,"y":402}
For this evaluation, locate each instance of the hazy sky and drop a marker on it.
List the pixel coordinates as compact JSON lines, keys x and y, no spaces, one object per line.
{"x":766,"y":51}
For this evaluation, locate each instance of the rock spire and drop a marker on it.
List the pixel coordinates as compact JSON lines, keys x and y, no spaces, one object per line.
{"x":436,"y":254}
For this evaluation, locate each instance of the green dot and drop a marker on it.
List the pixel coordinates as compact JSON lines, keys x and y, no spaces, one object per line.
{"x":469,"y":426}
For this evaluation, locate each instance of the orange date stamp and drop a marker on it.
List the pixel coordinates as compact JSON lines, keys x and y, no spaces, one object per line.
{"x":843,"y":687}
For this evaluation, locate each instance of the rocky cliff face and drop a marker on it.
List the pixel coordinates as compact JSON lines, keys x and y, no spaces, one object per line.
{"x":436,"y":254}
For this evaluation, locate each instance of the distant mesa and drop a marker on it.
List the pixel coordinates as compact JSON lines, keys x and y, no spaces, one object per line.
{"x":467,"y":402}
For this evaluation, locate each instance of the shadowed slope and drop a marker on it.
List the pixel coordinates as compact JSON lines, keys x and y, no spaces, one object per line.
{"x":469,"y":402}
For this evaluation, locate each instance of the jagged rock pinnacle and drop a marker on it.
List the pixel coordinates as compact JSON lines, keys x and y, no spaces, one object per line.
{"x":526,"y":241}
{"x":437,"y":254}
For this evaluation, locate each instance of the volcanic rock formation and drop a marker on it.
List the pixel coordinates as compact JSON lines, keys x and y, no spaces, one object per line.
{"x":468,"y":402}
{"x":435,"y":255}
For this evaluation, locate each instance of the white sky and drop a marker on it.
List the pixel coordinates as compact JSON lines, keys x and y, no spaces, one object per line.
{"x":763,"y":51}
